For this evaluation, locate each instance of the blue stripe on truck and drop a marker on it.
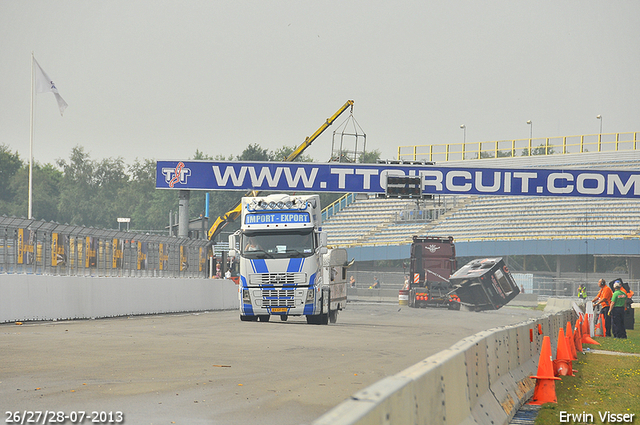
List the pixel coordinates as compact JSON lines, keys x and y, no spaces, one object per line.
{"x":295,"y":265}
{"x":259,"y":266}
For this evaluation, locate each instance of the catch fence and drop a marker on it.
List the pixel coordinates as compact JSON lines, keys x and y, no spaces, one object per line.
{"x":40,"y":247}
{"x":543,"y":286}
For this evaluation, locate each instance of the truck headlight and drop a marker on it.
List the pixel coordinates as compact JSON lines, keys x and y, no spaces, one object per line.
{"x":310,"y":295}
{"x":245,"y":296}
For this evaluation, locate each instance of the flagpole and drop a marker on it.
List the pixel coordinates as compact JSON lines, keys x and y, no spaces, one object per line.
{"x":30,"y":215}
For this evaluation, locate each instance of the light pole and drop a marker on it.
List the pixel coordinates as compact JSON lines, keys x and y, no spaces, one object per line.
{"x":464,"y":133}
{"x":530,"y":123}
{"x":599,"y":117}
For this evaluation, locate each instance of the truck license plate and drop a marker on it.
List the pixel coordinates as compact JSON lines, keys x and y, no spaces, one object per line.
{"x":279,"y":309}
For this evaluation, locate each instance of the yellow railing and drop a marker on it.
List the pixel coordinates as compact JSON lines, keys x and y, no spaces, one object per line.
{"x":335,"y":207}
{"x":607,"y":142}
{"x":488,"y":238}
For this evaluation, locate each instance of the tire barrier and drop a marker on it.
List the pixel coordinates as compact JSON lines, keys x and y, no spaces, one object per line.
{"x":482,"y":379}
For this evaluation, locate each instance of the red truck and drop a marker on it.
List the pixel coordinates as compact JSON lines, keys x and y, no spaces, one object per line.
{"x":433,"y":260}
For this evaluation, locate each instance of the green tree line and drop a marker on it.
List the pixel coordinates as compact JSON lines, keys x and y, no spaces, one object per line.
{"x":93,"y":193}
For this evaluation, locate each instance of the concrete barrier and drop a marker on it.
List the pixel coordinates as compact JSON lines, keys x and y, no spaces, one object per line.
{"x":525,"y":300}
{"x":559,"y":304}
{"x":373,"y":295}
{"x":37,"y":297}
{"x":483,"y":379}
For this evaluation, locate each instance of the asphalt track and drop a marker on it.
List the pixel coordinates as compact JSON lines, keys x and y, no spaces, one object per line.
{"x":211,"y":368}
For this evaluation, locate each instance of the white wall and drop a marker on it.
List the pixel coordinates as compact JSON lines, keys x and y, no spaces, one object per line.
{"x":37,"y":297}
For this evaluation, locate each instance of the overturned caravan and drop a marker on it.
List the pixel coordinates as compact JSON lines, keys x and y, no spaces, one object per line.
{"x":484,"y":284}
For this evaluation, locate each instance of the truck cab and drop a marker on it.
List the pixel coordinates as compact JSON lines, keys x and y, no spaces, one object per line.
{"x":433,"y":260}
{"x":286,"y":268}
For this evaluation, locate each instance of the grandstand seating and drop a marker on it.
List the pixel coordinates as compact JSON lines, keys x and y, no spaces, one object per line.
{"x":493,"y":217}
{"x":354,"y":223}
{"x":376,"y":221}
{"x":383,"y":221}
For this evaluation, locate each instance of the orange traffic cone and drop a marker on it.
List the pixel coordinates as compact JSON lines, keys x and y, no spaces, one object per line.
{"x":586,"y":339}
{"x":570,"y":344}
{"x":562,"y":364}
{"x":545,"y":390}
{"x":577,"y":336}
{"x":604,"y":326}
{"x":599,"y":327}
{"x":585,"y":325}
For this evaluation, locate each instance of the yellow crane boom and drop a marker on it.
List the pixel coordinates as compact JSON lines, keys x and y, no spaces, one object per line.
{"x":234,"y":213}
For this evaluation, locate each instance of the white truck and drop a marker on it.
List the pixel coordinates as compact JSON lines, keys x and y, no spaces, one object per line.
{"x":285,"y":266}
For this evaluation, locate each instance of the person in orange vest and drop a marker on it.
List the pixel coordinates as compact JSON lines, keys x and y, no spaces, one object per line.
{"x":604,"y":300}
{"x":629,"y":295}
{"x":618,"y":304}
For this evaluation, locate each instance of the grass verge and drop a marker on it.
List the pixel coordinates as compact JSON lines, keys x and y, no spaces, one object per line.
{"x":602,"y":383}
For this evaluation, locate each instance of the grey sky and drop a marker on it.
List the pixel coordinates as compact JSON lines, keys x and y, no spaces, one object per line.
{"x":160,"y":79}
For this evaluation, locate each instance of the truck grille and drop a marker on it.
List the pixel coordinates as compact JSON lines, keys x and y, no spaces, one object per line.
{"x":278,"y":298}
{"x":277,"y":279}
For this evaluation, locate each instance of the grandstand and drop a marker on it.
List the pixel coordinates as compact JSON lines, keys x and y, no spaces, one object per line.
{"x":500,"y":225}
{"x":373,"y":220}
{"x":493,"y":217}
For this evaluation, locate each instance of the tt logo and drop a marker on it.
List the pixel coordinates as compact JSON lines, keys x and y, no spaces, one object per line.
{"x":432,"y":248}
{"x":176,"y":175}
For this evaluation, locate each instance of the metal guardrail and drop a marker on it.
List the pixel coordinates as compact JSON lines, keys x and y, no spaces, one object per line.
{"x":40,"y":247}
{"x":607,"y":142}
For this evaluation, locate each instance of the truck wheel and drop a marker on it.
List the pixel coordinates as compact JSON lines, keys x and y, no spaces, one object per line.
{"x":333,"y":316}
{"x":248,"y":318}
{"x":324,"y":319}
{"x":312,"y":320}
{"x":284,"y":318}
{"x":264,"y":318}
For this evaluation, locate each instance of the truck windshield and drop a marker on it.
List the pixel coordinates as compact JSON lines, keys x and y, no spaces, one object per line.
{"x":278,"y":244}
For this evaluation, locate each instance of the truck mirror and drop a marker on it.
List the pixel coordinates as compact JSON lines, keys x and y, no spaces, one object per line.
{"x":232,"y":245}
{"x":323,"y":239}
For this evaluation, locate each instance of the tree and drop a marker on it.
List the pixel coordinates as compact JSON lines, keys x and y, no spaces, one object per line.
{"x":147,"y":207}
{"x":284,"y":152}
{"x":89,"y":191}
{"x":46,"y":191}
{"x":14,"y":174}
{"x":370,"y":157}
{"x":10,"y":163}
{"x":75,"y":197}
{"x":46,"y":183}
{"x":110,"y":177}
{"x":541,"y":149}
{"x":254,"y":153}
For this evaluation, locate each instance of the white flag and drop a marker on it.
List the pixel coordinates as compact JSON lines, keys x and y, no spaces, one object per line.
{"x":45,"y":85}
